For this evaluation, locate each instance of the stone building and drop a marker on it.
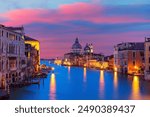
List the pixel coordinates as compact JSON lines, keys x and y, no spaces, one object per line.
{"x":147,"y":58}
{"x":129,"y":57}
{"x":12,"y":57}
{"x":32,"y":53}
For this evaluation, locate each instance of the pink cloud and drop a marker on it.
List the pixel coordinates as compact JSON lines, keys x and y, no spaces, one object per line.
{"x":77,"y":11}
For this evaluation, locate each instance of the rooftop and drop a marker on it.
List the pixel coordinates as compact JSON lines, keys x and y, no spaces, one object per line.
{"x":27,"y":38}
{"x":76,"y":45}
{"x":131,"y":46}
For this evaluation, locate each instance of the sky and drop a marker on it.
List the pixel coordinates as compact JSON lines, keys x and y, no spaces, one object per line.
{"x":57,"y":23}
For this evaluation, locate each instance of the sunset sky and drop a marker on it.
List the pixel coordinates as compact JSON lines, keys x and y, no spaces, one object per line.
{"x":56,"y":23}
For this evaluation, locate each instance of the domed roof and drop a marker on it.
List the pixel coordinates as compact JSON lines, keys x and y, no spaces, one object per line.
{"x":87,"y":47}
{"x":76,"y":45}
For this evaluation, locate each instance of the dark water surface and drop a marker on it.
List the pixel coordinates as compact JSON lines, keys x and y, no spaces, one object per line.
{"x":75,"y":83}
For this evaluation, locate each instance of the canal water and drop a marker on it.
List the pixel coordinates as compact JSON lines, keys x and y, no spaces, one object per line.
{"x":75,"y":83}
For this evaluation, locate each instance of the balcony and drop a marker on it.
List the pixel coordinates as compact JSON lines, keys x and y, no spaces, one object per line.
{"x":13,"y":68}
{"x":12,"y":64}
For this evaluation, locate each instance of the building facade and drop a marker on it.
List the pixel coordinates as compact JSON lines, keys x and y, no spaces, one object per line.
{"x":85,"y":57}
{"x":33,"y":53}
{"x":147,"y":58}
{"x":129,"y":57}
{"x":12,"y":57}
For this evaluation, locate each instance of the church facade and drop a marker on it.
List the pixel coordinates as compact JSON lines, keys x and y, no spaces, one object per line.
{"x":79,"y":56}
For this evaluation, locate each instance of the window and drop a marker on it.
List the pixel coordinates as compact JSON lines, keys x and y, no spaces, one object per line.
{"x":149,"y":48}
{"x":133,"y":63}
{"x":133,"y":54}
{"x":2,"y":32}
{"x":142,"y":54}
{"x":149,"y":60}
{"x":125,"y":63}
{"x":7,"y":34}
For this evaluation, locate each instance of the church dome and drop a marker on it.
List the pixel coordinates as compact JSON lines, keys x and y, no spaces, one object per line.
{"x":76,"y":45}
{"x":87,"y":48}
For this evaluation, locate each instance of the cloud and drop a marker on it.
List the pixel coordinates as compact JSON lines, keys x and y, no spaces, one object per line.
{"x":56,"y":29}
{"x":77,"y":11}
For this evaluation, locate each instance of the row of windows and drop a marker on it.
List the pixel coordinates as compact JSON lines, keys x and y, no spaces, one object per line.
{"x":10,"y":36}
{"x":12,"y":64}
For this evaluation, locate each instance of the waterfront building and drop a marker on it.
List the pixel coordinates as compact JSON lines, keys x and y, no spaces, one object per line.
{"x":97,"y":64}
{"x":74,"y":57}
{"x":147,"y":58}
{"x":58,"y":61}
{"x":110,"y":60}
{"x":33,"y":52}
{"x":29,"y":60}
{"x":12,"y":57}
{"x":86,"y":58}
{"x":129,"y":57}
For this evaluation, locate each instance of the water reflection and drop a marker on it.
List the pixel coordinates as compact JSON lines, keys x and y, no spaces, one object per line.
{"x":52,"y":87}
{"x":115,"y":80}
{"x":102,"y":83}
{"x":84,"y":74}
{"x":135,"y":88}
{"x":69,"y":72}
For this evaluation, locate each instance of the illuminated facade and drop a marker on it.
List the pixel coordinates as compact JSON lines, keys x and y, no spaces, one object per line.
{"x":97,"y":64}
{"x":110,"y":60}
{"x":87,"y":57}
{"x":58,"y":61}
{"x":34,"y":54}
{"x":12,"y":57}
{"x":129,"y":58}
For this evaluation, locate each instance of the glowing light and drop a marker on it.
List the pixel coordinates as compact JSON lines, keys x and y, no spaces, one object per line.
{"x":53,"y":68}
{"x":67,"y":63}
{"x":58,"y":62}
{"x":53,"y":87}
{"x":115,"y":69}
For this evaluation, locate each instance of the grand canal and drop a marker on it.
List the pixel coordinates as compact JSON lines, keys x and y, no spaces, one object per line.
{"x":75,"y":83}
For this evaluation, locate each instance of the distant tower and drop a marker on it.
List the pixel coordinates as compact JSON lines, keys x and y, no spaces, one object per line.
{"x":76,"y":47}
{"x":88,"y":49}
{"x":91,"y":48}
